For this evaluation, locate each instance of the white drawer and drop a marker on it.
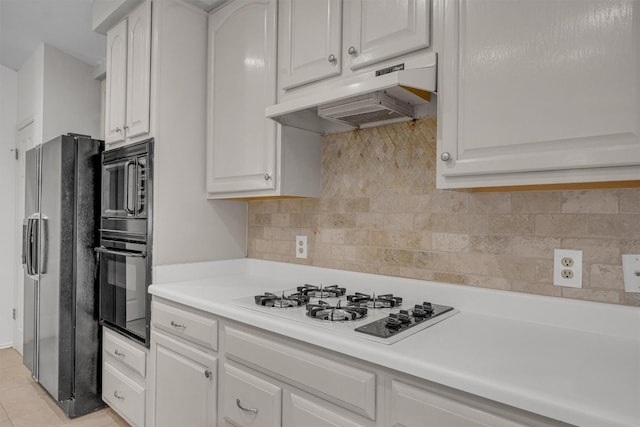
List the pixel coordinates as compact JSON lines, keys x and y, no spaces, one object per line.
{"x":300,"y":411}
{"x":350,"y":387}
{"x":124,"y":395}
{"x":119,"y":348}
{"x":260,"y":399}
{"x":194,"y":327}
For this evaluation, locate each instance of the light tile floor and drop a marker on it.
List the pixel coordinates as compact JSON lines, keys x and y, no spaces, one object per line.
{"x":23,"y":403}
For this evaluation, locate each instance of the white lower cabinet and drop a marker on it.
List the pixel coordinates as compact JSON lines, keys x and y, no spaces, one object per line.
{"x":184,"y":367}
{"x":248,"y":400}
{"x":411,"y":406}
{"x":311,"y":412}
{"x":124,"y":381}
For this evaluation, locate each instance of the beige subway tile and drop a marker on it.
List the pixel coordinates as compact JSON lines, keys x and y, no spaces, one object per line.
{"x":432,"y":260}
{"x":630,"y":201}
{"x":536,"y":288}
{"x":272,"y":233}
{"x":398,"y":221}
{"x":536,"y":202}
{"x":330,"y":204}
{"x":331,"y":235}
{"x":566,"y":225}
{"x":261,"y":219}
{"x":453,"y":223}
{"x":369,"y":254}
{"x":454,"y":278}
{"x":282,"y":247}
{"x":264,"y":246}
{"x":489,"y":282}
{"x":344,"y":252}
{"x":592,"y":294}
{"x":370,"y":221}
{"x":398,"y":257}
{"x":606,"y":276}
{"x":289,"y":205}
{"x":510,"y":224}
{"x":490,"y":203}
{"x":449,"y":201}
{"x":337,"y":220}
{"x":517,"y":269}
{"x":303,"y":220}
{"x":400,"y":203}
{"x":491,"y":244}
{"x":360,"y":204}
{"x":590,"y":201}
{"x":600,"y":251}
{"x":381,"y":238}
{"x":310,"y":205}
{"x":630,"y":246}
{"x":535,"y":247}
{"x":290,"y":233}
{"x":255,"y":232}
{"x":475,"y":263}
{"x":450,"y":242}
{"x":356,"y":237}
{"x":280,"y":220}
{"x":623,"y":225}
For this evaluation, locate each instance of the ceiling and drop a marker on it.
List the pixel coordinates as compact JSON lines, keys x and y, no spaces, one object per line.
{"x":64,"y":24}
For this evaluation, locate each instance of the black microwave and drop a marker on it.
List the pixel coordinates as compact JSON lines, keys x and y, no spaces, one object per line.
{"x":126,"y":181}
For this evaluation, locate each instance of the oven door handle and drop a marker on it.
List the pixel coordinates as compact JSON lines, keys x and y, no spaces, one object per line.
{"x":127,"y":183}
{"x":131,"y":254}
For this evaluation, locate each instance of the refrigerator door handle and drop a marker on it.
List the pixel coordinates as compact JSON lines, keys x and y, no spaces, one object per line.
{"x":25,"y":233}
{"x":132,"y":254}
{"x":32,"y":245}
{"x":44,"y":240}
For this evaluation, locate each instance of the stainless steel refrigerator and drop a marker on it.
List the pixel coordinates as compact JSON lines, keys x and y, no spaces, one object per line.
{"x":61,"y":334}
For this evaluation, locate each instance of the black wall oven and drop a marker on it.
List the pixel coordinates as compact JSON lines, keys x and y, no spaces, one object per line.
{"x":124,"y":253}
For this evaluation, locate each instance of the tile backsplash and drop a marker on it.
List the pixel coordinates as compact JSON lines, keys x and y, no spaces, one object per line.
{"x":380,"y":212}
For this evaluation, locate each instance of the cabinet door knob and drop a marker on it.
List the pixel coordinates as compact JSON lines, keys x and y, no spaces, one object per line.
{"x":118,"y":129}
{"x":207,"y":373}
{"x":125,"y":127}
{"x":119,"y":353}
{"x":332,"y":58}
{"x":251,"y":410}
{"x":117,"y":396}
{"x":267,"y":177}
{"x":352,"y":50}
{"x":445,"y":156}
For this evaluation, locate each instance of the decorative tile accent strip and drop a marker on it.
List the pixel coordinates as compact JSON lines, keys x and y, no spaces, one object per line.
{"x":380,"y":213}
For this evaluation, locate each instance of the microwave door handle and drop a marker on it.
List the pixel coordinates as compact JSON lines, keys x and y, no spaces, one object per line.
{"x":104,"y":250}
{"x":127,"y":181}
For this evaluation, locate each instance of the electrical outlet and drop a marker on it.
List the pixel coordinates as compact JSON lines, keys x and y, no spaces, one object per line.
{"x":631,"y":272}
{"x":301,"y":247}
{"x":567,"y":268}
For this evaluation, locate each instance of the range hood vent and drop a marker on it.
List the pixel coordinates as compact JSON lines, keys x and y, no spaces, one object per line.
{"x":373,"y":98}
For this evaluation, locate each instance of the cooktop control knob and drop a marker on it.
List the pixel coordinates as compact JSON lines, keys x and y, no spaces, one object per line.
{"x":419,"y":312}
{"x":393,"y":321}
{"x":427,"y":307}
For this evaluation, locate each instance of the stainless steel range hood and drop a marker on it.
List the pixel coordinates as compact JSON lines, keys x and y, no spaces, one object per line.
{"x":374,"y":98}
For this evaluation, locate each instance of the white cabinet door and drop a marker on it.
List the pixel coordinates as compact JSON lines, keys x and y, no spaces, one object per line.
{"x":116,"y":85}
{"x":139,"y":71}
{"x":298,"y":411}
{"x":383,"y":29}
{"x":415,"y":407}
{"x":310,"y":40}
{"x":249,"y":401}
{"x":184,"y":384}
{"x":538,"y":92}
{"x":241,"y":148}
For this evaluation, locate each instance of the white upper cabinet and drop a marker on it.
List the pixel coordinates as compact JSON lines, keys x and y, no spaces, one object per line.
{"x":382,"y":29}
{"x":242,"y":61}
{"x":116,"y":85}
{"x":128,"y":77}
{"x":538,"y":92}
{"x":310,"y":41}
{"x":249,"y":155}
{"x":322,"y":42}
{"x":139,"y":71}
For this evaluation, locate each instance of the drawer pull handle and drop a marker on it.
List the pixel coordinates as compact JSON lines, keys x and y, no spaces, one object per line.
{"x":207,"y":373}
{"x":119,"y":354}
{"x":117,"y":396}
{"x":251,"y":410}
{"x":177,"y":325}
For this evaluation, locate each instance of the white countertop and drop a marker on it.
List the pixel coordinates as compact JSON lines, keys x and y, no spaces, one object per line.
{"x":575,"y":361}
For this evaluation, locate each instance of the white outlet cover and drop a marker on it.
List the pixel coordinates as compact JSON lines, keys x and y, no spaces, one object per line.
{"x":576,"y":280}
{"x":631,"y":272}
{"x":301,"y":247}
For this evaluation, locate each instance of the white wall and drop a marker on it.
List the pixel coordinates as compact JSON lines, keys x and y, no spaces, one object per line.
{"x":71,"y":96}
{"x":8,"y":120}
{"x":30,"y":91}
